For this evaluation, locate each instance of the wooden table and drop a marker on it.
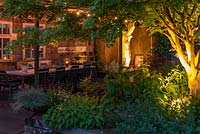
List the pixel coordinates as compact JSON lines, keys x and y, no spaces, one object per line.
{"x":21,"y":74}
{"x":30,"y":72}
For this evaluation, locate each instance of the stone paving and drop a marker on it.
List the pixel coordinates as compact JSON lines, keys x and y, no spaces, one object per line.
{"x":11,"y":122}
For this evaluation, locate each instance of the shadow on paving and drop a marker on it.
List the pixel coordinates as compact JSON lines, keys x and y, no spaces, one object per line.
{"x":11,"y":122}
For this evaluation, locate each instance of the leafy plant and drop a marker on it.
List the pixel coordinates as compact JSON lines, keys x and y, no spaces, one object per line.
{"x":76,"y":112}
{"x":24,"y":63}
{"x":175,"y":90}
{"x":92,"y":89}
{"x":161,"y":46}
{"x":146,"y":83}
{"x":30,"y":99}
{"x":113,"y":66}
{"x":57,"y":96}
{"x":143,"y":116}
{"x":119,"y":87}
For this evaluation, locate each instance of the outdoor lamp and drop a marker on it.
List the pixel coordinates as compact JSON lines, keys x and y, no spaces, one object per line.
{"x":66,"y":62}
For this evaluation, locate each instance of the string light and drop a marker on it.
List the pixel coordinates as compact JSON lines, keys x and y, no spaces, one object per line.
{"x":115,"y":18}
{"x":126,"y":21}
{"x":88,"y":15}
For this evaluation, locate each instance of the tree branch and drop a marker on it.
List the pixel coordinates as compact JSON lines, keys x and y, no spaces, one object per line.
{"x":198,"y":28}
{"x":197,"y":59}
{"x":168,"y":26}
{"x":194,"y":9}
{"x":176,"y":45}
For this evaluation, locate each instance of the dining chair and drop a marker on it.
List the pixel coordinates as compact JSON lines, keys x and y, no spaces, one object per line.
{"x":60,"y":68}
{"x":74,"y":67}
{"x":44,"y":78}
{"x":8,"y":84}
{"x":72,"y":78}
{"x":59,"y":78}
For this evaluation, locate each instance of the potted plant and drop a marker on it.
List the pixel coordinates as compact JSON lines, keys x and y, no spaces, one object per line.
{"x":24,"y":66}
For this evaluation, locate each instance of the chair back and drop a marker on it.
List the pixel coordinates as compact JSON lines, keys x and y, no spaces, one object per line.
{"x":3,"y":75}
{"x":74,"y":67}
{"x":86,"y":66}
{"x":59,"y":76}
{"x":43,"y":75}
{"x":60,"y":69}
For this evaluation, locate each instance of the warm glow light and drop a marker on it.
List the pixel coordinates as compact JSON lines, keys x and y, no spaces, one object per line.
{"x":115,"y":18}
{"x":88,"y":15}
{"x":189,"y":56}
{"x":77,"y":13}
{"x":126,"y":21}
{"x":4,"y":57}
{"x":66,"y":62}
{"x":127,"y":56}
{"x":127,"y":36}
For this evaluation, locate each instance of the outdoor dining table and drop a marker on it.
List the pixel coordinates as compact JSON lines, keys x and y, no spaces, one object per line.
{"x":25,"y":74}
{"x":30,"y":72}
{"x":21,"y":75}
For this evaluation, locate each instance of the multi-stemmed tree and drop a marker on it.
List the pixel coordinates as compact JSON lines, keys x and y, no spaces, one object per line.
{"x":178,"y":20}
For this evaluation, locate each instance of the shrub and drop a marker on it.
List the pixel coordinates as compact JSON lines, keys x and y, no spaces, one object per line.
{"x":152,"y":103}
{"x":30,"y":99}
{"x":57,"y":96}
{"x":146,"y":83}
{"x":76,"y":112}
{"x":126,"y":86}
{"x":163,"y":57}
{"x":174,"y":88}
{"x":119,"y":88}
{"x":143,"y":117}
{"x":92,"y":89}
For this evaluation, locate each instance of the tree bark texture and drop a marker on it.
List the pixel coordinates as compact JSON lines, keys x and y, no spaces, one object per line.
{"x":36,"y":57}
{"x":194,"y":85}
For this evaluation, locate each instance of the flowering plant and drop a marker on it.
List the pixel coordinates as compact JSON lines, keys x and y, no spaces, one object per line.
{"x":24,"y":63}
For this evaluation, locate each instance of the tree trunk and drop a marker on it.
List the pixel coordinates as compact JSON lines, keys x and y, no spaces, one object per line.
{"x":36,"y":57}
{"x":127,"y":36}
{"x":194,"y":85}
{"x":120,"y":52}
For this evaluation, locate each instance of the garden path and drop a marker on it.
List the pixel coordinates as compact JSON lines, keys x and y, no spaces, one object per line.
{"x":11,"y":122}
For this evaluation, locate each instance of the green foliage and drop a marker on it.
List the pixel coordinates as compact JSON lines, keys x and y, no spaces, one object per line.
{"x":126,"y":86}
{"x":70,"y":26}
{"x":156,"y":104}
{"x":143,"y":116}
{"x":146,"y":83}
{"x":31,"y":8}
{"x":163,"y":57}
{"x":57,"y":96}
{"x":92,"y":89}
{"x":79,"y":3}
{"x":24,"y":63}
{"x":161,"y":46}
{"x":119,"y":87}
{"x":36,"y":11}
{"x":76,"y":112}
{"x":30,"y":98}
{"x":175,"y":89}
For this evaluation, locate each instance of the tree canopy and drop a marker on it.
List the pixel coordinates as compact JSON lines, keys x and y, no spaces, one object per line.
{"x":178,"y":20}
